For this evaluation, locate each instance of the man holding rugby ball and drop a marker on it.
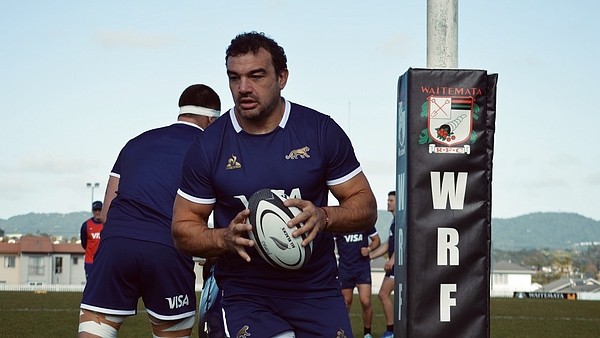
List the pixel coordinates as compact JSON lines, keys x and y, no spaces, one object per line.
{"x":266,"y":141}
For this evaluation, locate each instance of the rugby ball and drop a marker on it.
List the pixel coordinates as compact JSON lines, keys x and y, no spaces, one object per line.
{"x":272,"y":237}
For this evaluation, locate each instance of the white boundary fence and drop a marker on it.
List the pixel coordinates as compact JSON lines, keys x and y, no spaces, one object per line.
{"x":377,"y":278}
{"x":53,"y":287}
{"x":47,"y":287}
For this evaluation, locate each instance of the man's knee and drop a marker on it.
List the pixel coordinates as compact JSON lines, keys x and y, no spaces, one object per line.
{"x":365,"y":302}
{"x":95,"y":324}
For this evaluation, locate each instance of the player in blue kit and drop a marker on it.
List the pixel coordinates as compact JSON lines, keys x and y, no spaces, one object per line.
{"x":137,"y":257}
{"x":266,"y":141}
{"x":355,"y":270}
{"x":387,"y":286}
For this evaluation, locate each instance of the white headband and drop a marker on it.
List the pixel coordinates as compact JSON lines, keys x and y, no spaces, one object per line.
{"x":197,"y":110}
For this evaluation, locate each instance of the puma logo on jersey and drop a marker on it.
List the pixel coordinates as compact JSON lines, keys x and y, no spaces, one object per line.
{"x":243,"y":333}
{"x":302,"y":153}
{"x":353,"y":238}
{"x":176,"y":302}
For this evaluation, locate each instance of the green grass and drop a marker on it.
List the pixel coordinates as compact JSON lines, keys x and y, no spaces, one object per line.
{"x":56,"y":314}
{"x":544,"y":318}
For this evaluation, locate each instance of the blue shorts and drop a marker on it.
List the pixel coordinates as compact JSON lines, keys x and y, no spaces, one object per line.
{"x":257,"y":316}
{"x":350,"y":278}
{"x":126,"y":269}
{"x":88,"y":268}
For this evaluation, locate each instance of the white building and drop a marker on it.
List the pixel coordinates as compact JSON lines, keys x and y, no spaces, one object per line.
{"x":508,"y":277}
{"x":35,"y":260}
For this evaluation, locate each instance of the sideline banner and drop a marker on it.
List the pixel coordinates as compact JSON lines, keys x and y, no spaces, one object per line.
{"x":445,"y":142}
{"x":545,"y":295}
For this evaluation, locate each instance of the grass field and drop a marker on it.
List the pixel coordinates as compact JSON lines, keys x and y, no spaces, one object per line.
{"x":55,"y":314}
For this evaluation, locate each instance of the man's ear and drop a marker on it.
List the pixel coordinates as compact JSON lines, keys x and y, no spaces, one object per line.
{"x":283,"y":77}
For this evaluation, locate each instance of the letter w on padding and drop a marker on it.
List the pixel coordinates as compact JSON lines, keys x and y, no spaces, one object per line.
{"x":444,"y":190}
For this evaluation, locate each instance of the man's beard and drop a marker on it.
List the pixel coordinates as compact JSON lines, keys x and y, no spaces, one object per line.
{"x":263,"y":113}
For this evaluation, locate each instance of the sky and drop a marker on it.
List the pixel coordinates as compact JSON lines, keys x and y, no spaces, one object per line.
{"x":78,"y":79}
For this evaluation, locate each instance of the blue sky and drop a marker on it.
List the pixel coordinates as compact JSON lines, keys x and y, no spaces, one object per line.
{"x":79,"y":79}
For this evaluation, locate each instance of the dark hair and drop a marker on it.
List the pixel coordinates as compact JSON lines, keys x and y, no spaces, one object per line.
{"x":200,"y":95}
{"x":244,"y":43}
{"x":392,"y":193}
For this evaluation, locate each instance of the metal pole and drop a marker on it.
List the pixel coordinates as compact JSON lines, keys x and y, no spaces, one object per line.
{"x":442,"y":33}
{"x":95,"y":185}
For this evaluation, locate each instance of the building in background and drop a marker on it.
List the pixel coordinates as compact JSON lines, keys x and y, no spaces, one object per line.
{"x":508,"y":277}
{"x":35,"y":260}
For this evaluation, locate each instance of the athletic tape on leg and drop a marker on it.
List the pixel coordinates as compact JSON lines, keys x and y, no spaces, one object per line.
{"x":99,"y":324}
{"x":172,"y":328}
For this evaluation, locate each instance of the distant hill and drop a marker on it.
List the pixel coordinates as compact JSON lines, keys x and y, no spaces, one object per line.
{"x":53,"y":224}
{"x":550,"y":230}
{"x":68,"y":225}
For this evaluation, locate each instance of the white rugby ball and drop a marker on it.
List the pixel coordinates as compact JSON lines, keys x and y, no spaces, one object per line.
{"x":272,"y":237}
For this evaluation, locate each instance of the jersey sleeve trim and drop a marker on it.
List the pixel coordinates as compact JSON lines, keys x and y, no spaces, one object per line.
{"x":116,"y":175}
{"x":345,"y":178}
{"x":196,"y":199}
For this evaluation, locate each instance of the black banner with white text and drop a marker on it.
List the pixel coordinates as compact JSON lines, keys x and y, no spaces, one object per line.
{"x":445,"y":141}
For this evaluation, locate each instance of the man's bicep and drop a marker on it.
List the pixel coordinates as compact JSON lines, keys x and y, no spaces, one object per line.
{"x":355,"y":186}
{"x":190,"y":222}
{"x":187,"y":211}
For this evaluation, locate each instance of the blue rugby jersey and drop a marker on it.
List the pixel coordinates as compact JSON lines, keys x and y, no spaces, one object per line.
{"x":348,"y":246}
{"x":304,"y":155}
{"x":392,"y":241}
{"x":149,"y":172}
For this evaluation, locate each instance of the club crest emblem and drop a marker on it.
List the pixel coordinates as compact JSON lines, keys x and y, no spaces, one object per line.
{"x":449,"y":123}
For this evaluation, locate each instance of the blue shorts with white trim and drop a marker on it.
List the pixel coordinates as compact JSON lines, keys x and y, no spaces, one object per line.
{"x":126,"y":269}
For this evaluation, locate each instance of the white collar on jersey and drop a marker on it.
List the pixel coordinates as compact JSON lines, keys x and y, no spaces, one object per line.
{"x":282,"y":123}
{"x":189,"y":124}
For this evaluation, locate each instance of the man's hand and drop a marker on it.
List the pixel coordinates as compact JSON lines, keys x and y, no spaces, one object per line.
{"x":389,"y":265}
{"x":234,"y":235}
{"x":314,"y":219}
{"x":365,"y":251}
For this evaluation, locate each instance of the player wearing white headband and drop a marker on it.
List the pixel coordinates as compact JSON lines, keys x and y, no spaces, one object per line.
{"x":196,"y":110}
{"x":137,"y":257}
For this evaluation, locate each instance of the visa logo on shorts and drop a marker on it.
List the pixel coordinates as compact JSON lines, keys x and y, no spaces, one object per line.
{"x":353,"y":238}
{"x":176,"y":302}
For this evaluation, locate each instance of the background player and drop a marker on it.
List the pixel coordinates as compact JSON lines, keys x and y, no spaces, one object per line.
{"x":137,"y":257}
{"x":355,"y":270}
{"x":387,"y":286}
{"x":90,"y":236}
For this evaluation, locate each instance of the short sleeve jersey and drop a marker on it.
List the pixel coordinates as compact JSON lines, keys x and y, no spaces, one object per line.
{"x":304,"y":155}
{"x":392,"y":242}
{"x":149,"y":172}
{"x":348,"y":246}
